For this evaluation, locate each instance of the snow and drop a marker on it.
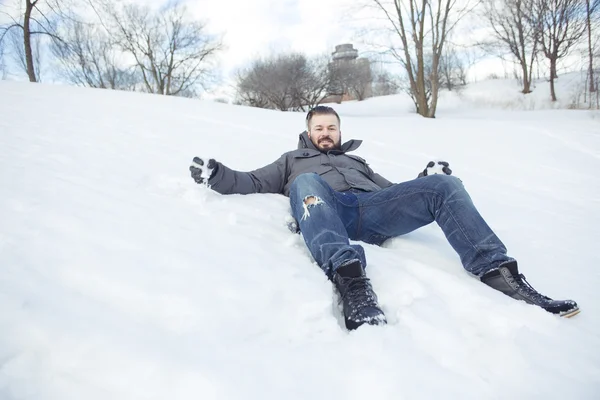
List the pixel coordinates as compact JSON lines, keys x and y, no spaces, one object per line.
{"x":491,"y":94}
{"x":123,"y":279}
{"x":506,"y":93}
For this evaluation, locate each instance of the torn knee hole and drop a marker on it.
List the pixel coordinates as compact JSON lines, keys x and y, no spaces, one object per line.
{"x":310,"y":201}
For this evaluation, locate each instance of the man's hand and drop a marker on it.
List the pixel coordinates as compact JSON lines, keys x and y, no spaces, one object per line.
{"x":203,"y":170}
{"x":436,"y":167}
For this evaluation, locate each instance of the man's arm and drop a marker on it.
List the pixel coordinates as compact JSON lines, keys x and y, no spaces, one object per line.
{"x":268,"y":179}
{"x":378,"y":179}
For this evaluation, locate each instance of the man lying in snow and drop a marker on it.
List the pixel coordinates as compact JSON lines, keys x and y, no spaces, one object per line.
{"x":336,"y":196}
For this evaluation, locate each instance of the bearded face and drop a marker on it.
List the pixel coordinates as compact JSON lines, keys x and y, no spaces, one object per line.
{"x":324,"y":132}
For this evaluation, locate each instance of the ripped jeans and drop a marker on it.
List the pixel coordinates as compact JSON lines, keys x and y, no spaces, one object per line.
{"x":329,"y":219}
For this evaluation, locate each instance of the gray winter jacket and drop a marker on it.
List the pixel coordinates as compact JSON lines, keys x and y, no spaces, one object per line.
{"x":340,"y":170}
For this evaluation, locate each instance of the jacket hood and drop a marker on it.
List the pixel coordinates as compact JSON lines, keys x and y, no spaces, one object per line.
{"x":304,"y":142}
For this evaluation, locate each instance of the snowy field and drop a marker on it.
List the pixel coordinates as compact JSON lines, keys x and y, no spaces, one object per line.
{"x":123,"y":279}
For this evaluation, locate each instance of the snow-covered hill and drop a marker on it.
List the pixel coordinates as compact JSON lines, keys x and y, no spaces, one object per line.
{"x":123,"y":279}
{"x":491,"y":94}
{"x":506,"y":94}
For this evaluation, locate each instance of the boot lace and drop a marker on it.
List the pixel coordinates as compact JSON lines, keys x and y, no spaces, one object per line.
{"x":359,"y":292}
{"x":528,"y":290}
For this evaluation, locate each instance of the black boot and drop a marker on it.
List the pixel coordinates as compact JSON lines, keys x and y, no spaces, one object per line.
{"x":358,"y":298}
{"x":508,"y":280}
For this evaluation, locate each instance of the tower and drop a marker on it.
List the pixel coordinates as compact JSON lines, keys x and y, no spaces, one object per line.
{"x":344,"y":52}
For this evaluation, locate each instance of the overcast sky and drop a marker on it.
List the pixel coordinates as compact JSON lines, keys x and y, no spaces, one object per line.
{"x":253,"y":28}
{"x":261,"y":27}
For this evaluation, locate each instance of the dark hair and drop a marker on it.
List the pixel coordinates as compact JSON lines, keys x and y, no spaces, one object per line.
{"x":321,"y":110}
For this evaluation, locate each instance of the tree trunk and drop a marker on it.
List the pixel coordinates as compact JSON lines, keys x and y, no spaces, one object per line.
{"x":422,"y":107}
{"x":435,"y":79}
{"x":590,"y":50}
{"x":433,"y":107}
{"x":553,"y":61}
{"x":552,"y":77}
{"x":526,"y":81}
{"x":27,"y":41}
{"x":420,"y":89}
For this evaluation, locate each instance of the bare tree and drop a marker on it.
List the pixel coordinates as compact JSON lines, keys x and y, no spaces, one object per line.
{"x":514,"y":31}
{"x":591,"y":10}
{"x":314,"y":83}
{"x":268,"y":83}
{"x":340,"y":75}
{"x":286,"y":71}
{"x":3,"y":70}
{"x":294,"y":72}
{"x":40,"y":17}
{"x":18,"y":54}
{"x":422,"y":27}
{"x":89,"y":57}
{"x":361,"y":84}
{"x":284,"y":82}
{"x":250,"y":87}
{"x":173,"y":53}
{"x":452,"y":69}
{"x":447,"y":67}
{"x":385,"y":84}
{"x":351,"y":77}
{"x":263,"y":84}
{"x":561,"y":23}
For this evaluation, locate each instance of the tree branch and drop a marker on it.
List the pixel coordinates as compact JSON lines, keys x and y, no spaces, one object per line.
{"x":7,"y":29}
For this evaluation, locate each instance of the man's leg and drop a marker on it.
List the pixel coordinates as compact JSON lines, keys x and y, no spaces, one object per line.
{"x":325,"y":216}
{"x":406,"y":206}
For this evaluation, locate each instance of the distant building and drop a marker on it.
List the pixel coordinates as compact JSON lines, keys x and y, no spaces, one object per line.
{"x":344,"y":53}
{"x":353,"y":71}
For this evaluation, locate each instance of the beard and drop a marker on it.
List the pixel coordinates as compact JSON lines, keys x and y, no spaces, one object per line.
{"x":329,"y":142}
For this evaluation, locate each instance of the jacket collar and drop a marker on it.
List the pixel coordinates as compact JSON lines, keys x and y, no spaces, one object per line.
{"x":304,"y":142}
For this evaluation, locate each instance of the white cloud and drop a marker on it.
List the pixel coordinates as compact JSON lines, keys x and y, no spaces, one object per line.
{"x":252,"y":28}
{"x":262,"y":27}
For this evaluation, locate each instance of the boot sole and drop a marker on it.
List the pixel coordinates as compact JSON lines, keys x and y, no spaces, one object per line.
{"x":571,"y":313}
{"x":353,"y":325}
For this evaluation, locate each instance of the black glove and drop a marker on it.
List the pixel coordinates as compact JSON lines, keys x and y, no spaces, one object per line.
{"x":202,"y":171}
{"x":433,"y":167}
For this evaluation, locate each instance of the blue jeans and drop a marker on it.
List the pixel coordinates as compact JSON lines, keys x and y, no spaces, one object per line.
{"x":328,"y":219}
